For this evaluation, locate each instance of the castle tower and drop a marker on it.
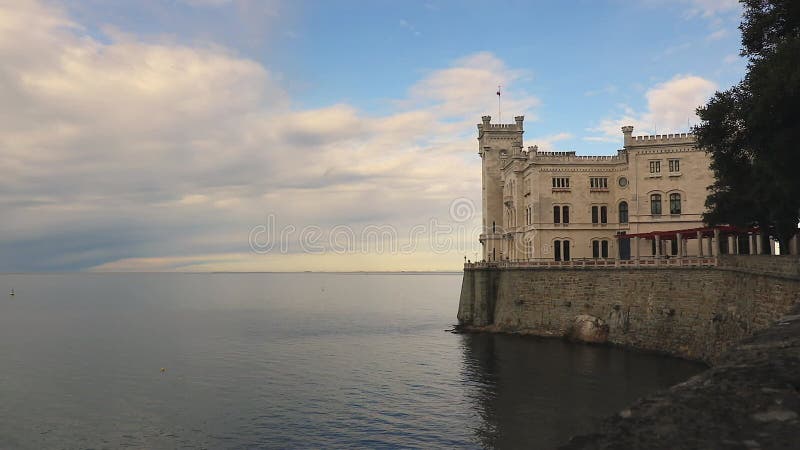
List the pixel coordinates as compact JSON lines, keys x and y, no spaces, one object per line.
{"x":496,"y":142}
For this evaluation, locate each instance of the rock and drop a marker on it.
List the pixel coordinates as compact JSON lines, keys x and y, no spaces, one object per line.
{"x":586,"y":328}
{"x":775,"y":414}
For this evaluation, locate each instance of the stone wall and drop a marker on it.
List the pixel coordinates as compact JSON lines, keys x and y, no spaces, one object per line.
{"x":691,"y":312}
{"x":784,"y":265}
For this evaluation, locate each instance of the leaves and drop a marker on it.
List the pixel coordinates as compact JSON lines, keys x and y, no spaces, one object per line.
{"x":752,"y":130}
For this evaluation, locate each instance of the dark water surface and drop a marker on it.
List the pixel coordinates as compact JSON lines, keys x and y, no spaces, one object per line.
{"x":289,"y":360}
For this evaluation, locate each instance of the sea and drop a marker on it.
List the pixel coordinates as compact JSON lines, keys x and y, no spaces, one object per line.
{"x":290,"y":360}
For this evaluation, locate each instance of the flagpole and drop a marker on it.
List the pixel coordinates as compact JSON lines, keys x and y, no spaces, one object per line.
{"x":499,"y":109}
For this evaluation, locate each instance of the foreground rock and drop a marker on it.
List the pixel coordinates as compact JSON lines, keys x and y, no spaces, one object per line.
{"x":586,"y":328}
{"x":749,"y":399}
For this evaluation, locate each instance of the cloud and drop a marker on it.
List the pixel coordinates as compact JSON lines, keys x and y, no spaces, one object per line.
{"x":718,"y":34}
{"x":711,"y":8}
{"x":410,"y":27}
{"x":119,"y":149}
{"x":732,"y":58}
{"x":547,"y":143}
{"x":669,"y":106}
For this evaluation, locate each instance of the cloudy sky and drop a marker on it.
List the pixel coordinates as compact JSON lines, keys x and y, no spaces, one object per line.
{"x":201,"y":135}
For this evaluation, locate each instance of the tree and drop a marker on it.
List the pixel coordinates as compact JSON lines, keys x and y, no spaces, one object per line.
{"x":752,"y":130}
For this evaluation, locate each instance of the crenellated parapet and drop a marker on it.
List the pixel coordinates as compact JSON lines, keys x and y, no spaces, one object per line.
{"x":571,"y":157}
{"x":487,"y":125}
{"x":652,"y":140}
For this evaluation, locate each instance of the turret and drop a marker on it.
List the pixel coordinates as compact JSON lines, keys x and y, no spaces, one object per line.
{"x":494,"y":139}
{"x":627,"y":132}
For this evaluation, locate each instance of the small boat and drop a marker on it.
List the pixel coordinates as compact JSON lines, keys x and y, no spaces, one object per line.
{"x":11,"y":293}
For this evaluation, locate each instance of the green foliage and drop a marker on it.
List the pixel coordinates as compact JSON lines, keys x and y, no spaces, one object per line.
{"x":752,"y":130}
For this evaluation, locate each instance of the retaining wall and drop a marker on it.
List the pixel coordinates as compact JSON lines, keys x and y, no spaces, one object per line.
{"x":692,"y":312}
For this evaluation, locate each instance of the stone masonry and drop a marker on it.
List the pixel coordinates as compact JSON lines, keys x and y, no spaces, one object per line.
{"x":691,"y":312}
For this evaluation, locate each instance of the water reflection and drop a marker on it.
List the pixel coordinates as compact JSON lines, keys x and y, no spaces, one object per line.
{"x":537,"y":393}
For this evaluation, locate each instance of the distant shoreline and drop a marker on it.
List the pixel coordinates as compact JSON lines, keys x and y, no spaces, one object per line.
{"x":394,"y":272}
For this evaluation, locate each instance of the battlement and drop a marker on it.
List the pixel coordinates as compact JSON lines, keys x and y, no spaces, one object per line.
{"x":487,"y":125}
{"x":535,"y":155}
{"x":655,"y":139}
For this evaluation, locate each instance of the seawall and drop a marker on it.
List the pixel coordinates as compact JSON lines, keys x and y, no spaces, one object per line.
{"x":691,"y":312}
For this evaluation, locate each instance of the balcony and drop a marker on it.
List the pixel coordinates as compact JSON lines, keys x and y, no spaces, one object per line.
{"x":600,"y":263}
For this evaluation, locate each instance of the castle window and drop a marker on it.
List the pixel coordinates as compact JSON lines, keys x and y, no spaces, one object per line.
{"x":599,"y":249}
{"x":556,"y":214}
{"x":655,"y":204}
{"x":598,"y":183}
{"x":674,"y":165}
{"x":561,"y":214}
{"x":599,"y":214}
{"x":655,"y":167}
{"x":674,"y":203}
{"x":560,"y":183}
{"x":561,"y":250}
{"x":565,"y":210}
{"x":623,"y":212}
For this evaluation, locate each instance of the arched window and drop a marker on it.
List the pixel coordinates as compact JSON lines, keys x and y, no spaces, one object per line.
{"x":600,"y":248}
{"x":561,"y":250}
{"x":674,"y":203}
{"x":623,"y":212}
{"x":655,"y":204}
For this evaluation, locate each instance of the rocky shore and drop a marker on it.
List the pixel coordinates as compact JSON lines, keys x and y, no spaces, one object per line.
{"x":749,"y":399}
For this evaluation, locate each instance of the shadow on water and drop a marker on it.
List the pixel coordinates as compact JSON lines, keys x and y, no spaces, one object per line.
{"x":537,"y":393}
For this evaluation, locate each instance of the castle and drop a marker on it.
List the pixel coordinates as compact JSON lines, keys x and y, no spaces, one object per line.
{"x":559,"y":206}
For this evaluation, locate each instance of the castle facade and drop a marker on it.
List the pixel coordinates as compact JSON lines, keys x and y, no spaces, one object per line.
{"x":560,"y":206}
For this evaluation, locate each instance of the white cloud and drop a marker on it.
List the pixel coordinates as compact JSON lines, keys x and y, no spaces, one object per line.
{"x":547,"y":143}
{"x":669,"y":106}
{"x":732,"y":58}
{"x":711,"y":8}
{"x":718,"y":34}
{"x":410,"y":27}
{"x":159,"y":153}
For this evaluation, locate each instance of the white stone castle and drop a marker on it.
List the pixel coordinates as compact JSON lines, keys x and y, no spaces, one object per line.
{"x":645,"y":201}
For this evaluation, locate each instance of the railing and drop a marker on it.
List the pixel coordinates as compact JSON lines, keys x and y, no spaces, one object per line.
{"x":599,"y":263}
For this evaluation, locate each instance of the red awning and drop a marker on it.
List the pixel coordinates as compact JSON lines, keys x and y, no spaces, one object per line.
{"x":691,"y":233}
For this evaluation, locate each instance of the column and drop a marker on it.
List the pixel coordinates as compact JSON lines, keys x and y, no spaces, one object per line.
{"x":635,"y":243}
{"x":751,"y":243}
{"x":679,"y":237}
{"x":731,"y":245}
{"x":658,"y":246}
{"x":714,"y":244}
{"x":759,"y":244}
{"x":700,"y":243}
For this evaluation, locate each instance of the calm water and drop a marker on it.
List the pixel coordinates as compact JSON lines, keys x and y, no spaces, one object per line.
{"x":289,"y":360}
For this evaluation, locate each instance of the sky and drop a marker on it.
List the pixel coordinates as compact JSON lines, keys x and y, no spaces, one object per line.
{"x":261,"y":135}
